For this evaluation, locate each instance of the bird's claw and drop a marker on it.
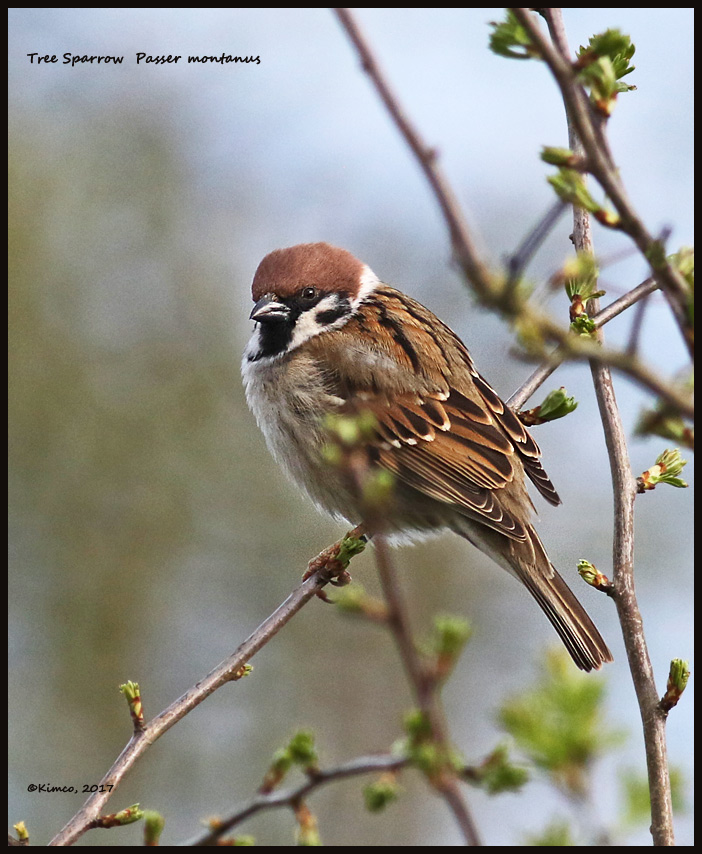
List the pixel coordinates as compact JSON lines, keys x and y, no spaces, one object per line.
{"x":333,"y":570}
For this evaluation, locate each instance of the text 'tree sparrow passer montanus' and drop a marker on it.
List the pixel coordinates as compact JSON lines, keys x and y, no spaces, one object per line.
{"x":330,"y":337}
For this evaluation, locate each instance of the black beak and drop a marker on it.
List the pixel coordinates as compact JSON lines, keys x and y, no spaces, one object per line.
{"x":269,"y":310}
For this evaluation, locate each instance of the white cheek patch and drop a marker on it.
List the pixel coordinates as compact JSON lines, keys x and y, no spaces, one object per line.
{"x":305,"y":327}
{"x":313,"y":321}
{"x":308,"y":325}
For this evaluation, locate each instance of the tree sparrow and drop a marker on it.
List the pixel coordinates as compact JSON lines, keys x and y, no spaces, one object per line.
{"x":330,"y":337}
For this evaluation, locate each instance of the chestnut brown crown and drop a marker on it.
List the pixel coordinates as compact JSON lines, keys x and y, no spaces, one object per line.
{"x":284,"y":271}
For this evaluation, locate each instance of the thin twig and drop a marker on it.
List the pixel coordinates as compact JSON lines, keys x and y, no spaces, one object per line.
{"x":653,"y":719}
{"x":486,"y":286}
{"x":225,"y":672}
{"x":601,"y":164}
{"x":624,"y":488}
{"x":424,"y":687}
{"x":519,"y":259}
{"x":464,"y":248}
{"x":290,"y":797}
{"x":534,"y":381}
{"x":558,"y":356}
{"x":637,"y":294}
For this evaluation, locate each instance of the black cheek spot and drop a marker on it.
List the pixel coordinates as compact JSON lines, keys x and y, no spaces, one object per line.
{"x":330,"y":315}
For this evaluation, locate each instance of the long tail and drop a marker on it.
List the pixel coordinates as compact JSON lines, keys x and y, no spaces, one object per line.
{"x":528,"y":561}
{"x":568,"y":617}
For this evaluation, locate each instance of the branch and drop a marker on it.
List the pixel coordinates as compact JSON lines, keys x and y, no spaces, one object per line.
{"x":290,"y":797}
{"x":601,"y":165}
{"x":624,"y":489}
{"x":625,"y":301}
{"x":544,"y":371}
{"x":229,"y":670}
{"x":464,"y":248}
{"x":425,"y":689}
{"x":492,"y":290}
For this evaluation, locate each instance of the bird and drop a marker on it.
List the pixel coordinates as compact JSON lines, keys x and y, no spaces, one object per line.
{"x":330,"y":338}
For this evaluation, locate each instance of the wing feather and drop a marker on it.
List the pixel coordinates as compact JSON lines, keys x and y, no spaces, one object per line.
{"x":440,"y":427}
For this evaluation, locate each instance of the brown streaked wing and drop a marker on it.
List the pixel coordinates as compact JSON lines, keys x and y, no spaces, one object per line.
{"x":470,"y":394}
{"x":440,"y":427}
{"x":460,"y":463}
{"x":523,"y":441}
{"x":434,"y":477}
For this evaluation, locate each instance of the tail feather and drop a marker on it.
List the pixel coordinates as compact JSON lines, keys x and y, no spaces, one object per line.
{"x":568,"y":617}
{"x":528,"y":561}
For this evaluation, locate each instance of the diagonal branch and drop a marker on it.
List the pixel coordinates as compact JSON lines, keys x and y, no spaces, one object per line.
{"x":601,"y":165}
{"x":464,"y":248}
{"x":229,"y":670}
{"x":425,"y":689}
{"x":490,"y":289}
{"x":290,"y":797}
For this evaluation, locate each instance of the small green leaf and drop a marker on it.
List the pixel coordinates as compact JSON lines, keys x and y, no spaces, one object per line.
{"x":668,"y":466}
{"x":555,"y":405}
{"x":154,"y":823}
{"x":580,"y":275}
{"x":349,"y":548}
{"x":602,"y":64}
{"x":591,"y":575}
{"x":678,"y":677}
{"x":510,"y":39}
{"x":560,"y":723}
{"x":560,"y":157}
{"x":379,"y":794}
{"x":302,"y":750}
{"x":583,"y":325}
{"x":497,"y":774}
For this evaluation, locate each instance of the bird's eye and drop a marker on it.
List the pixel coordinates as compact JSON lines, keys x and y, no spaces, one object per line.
{"x":308,"y":294}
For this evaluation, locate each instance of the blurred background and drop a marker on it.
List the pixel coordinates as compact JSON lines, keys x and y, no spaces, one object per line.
{"x":151,"y":532}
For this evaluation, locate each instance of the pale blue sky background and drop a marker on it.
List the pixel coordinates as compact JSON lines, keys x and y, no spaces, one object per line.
{"x":154,"y":191}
